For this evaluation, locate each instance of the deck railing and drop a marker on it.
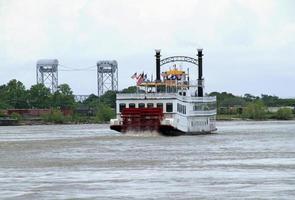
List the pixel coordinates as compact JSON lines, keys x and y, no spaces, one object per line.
{"x":203,"y":112}
{"x":164,"y":96}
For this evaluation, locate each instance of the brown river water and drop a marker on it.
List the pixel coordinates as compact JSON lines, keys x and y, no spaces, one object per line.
{"x":244,"y":160}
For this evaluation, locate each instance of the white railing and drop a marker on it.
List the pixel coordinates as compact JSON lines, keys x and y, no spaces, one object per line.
{"x":197,"y":99}
{"x":165,"y":95}
{"x":146,"y":95}
{"x":203,"y":112}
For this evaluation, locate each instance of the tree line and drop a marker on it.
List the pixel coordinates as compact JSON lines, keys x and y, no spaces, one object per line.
{"x":225,"y":99}
{"x":14,"y":95}
{"x":253,"y":107}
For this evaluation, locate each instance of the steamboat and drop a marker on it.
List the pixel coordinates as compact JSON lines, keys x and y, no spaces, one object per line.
{"x":171,"y":105}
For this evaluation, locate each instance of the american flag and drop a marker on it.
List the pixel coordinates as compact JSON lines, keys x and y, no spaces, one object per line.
{"x":134,"y":75}
{"x":140,"y":79}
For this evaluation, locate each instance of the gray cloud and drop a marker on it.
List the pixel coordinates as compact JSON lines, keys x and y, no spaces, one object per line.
{"x":248,"y":45}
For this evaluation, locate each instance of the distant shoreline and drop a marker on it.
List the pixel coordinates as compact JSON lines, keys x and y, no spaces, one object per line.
{"x":32,"y":123}
{"x":38,"y":122}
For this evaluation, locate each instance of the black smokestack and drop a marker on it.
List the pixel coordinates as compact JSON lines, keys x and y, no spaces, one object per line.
{"x":200,"y":73}
{"x":158,"y":59}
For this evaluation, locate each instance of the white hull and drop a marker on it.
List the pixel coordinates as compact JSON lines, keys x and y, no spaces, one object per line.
{"x":186,"y":114}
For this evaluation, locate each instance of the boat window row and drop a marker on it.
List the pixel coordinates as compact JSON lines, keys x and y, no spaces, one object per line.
{"x":204,"y":106}
{"x":169,"y":106}
{"x":181,"y":108}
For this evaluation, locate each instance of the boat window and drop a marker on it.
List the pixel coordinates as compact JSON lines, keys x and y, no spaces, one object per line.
{"x":150,"y":105}
{"x":178,"y":108}
{"x":141,"y":105}
{"x":159,"y":105}
{"x":204,"y":106}
{"x":131,"y":105}
{"x":122,"y":106}
{"x":181,"y":108}
{"x":169,"y":107}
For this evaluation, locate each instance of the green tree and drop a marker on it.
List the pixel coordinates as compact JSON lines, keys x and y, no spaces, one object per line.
{"x":109,"y":98}
{"x":63,"y":97}
{"x":65,"y":90}
{"x":249,"y":97}
{"x":131,"y":89}
{"x":284,"y":113}
{"x":269,"y":100}
{"x":90,"y":99}
{"x":4,"y":104}
{"x":233,"y":101}
{"x":16,"y":94}
{"x":3,"y":89}
{"x":104,"y":113}
{"x":39,"y":96}
{"x":221,"y":96}
{"x":255,"y":110}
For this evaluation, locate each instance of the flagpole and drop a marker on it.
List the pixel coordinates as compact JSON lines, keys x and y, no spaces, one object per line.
{"x":165,"y":86}
{"x":146,"y":81}
{"x":188,"y":77}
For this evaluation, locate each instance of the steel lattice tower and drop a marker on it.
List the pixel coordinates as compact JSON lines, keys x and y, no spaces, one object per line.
{"x":107,"y":76}
{"x":47,"y":73}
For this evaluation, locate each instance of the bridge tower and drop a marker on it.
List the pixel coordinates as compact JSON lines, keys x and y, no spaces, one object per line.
{"x":47,"y":73}
{"x":107,"y":76}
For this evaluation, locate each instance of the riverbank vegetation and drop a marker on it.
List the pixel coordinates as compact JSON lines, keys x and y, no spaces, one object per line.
{"x":61,"y":107}
{"x":14,"y":95}
{"x":58,"y":107}
{"x":231,"y":107}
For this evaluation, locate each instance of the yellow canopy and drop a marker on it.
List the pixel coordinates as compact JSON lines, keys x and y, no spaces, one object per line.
{"x":175,"y":72}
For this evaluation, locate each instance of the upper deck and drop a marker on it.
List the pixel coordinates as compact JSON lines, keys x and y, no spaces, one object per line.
{"x":173,"y":90}
{"x":162,"y":96}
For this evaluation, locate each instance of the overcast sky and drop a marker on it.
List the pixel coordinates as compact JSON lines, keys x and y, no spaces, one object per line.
{"x":249,"y":45}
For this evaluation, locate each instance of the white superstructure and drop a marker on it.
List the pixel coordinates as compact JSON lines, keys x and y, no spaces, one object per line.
{"x":172,"y":104}
{"x":189,"y":114}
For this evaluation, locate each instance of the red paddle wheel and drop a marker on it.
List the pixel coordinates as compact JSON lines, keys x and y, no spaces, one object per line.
{"x":141,"y":119}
